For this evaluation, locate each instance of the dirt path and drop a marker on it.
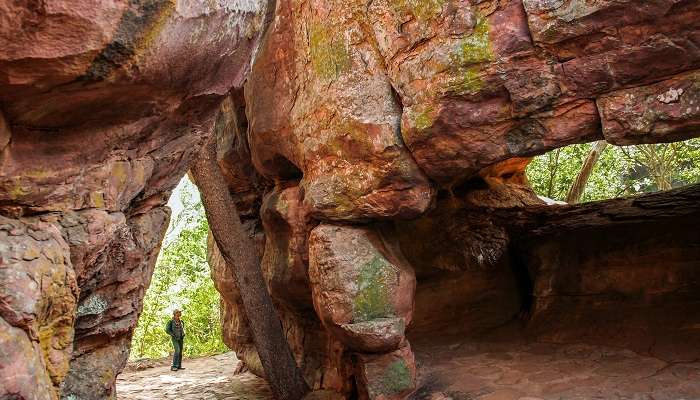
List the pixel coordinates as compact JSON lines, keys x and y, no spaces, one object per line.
{"x":206,"y":378}
{"x":459,"y":371}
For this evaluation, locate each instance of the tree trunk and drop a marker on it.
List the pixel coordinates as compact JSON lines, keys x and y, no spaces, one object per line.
{"x":579,"y":185}
{"x":238,"y":250}
{"x":553,"y":172}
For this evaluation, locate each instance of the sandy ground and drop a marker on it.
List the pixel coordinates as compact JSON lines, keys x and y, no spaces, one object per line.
{"x":541,"y":371}
{"x":203,"y":378}
{"x":458,"y":371}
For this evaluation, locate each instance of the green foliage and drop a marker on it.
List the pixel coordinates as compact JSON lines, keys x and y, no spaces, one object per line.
{"x":181,"y":280}
{"x":620,"y":171}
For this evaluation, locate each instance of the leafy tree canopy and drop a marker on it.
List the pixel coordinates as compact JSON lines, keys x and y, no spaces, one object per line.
{"x":620,"y":171}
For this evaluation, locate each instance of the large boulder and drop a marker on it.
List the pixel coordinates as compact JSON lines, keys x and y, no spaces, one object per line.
{"x":474,"y":87}
{"x":362,"y":287}
{"x":335,"y":118}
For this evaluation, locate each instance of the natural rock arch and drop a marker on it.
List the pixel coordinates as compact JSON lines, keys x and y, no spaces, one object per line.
{"x":103,"y":107}
{"x":400,"y":127}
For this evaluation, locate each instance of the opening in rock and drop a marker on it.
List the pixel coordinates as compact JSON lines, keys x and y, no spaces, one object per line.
{"x":413,"y":259}
{"x":599,"y":171}
{"x":515,"y":296}
{"x":182,"y":279}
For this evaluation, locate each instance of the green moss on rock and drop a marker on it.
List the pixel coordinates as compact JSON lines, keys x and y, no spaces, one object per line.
{"x":372,"y":300}
{"x":475,"y":48}
{"x":329,"y":52}
{"x":17,"y":190}
{"x":395,"y":379}
{"x":468,"y":81}
{"x":422,"y":9}
{"x":424,"y":117}
{"x":97,"y":199}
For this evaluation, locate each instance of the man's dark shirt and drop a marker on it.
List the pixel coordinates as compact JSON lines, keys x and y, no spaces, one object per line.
{"x":176,"y":329}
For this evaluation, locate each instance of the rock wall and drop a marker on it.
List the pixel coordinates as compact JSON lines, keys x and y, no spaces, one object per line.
{"x":393,"y":136}
{"x":622,"y":273}
{"x":376,"y":153}
{"x":102,"y":107}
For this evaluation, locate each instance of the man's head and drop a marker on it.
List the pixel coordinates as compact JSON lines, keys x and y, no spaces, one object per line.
{"x":176,"y":314}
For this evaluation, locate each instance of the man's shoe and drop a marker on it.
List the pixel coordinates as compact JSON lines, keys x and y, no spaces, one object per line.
{"x":173,"y":369}
{"x":181,"y":368}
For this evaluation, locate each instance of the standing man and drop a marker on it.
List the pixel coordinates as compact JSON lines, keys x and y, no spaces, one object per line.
{"x":176,"y":330}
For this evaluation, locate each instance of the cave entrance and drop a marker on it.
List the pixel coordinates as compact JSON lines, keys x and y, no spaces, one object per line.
{"x":584,"y":300}
{"x":182,"y":280}
{"x":579,"y":300}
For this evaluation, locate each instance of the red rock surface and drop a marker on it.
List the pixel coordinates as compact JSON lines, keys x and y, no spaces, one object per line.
{"x":344,"y":147}
{"x":362,"y":288}
{"x":376,"y":153}
{"x":387,"y":376}
{"x":287,"y":223}
{"x":102,"y":108}
{"x":38,"y":295}
{"x":662,"y":112}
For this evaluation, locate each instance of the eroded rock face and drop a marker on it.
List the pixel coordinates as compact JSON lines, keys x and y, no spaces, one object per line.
{"x":376,"y":155}
{"x":111,"y":301}
{"x":661,"y":112}
{"x":287,"y":223}
{"x":102,"y":107}
{"x":344,"y":147}
{"x":467,"y":90}
{"x":38,"y":294}
{"x":363,"y":289}
{"x":621,"y":273}
{"x":476,"y":91}
{"x":463,"y":258}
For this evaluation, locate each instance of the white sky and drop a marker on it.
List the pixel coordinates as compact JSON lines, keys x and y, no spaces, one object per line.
{"x":187,"y":189}
{"x":184,"y":188}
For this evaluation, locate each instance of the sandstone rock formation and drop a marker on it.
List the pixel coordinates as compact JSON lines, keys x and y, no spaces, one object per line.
{"x":362,"y":289}
{"x":424,"y":113}
{"x":376,"y":154}
{"x":102,"y":107}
